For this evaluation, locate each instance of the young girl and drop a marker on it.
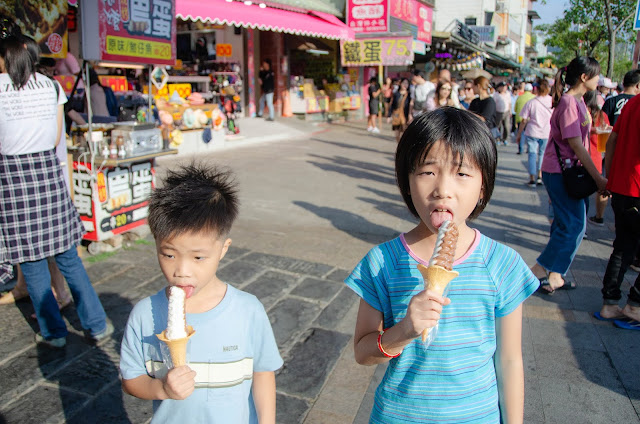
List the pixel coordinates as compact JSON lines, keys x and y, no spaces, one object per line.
{"x":599,"y":119}
{"x":472,"y":371}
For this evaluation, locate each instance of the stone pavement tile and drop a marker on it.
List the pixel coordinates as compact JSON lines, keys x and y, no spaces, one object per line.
{"x":113,"y":406}
{"x":567,"y":334}
{"x":587,"y":299}
{"x":378,"y":374}
{"x":235,"y":252}
{"x":559,"y":300}
{"x":576,"y":365}
{"x":310,"y":361}
{"x":103,"y":270}
{"x":338,"y":400}
{"x":587,"y":278}
{"x":239,"y":272}
{"x":533,"y":411}
{"x":335,"y":312}
{"x":567,"y":402}
{"x":362,"y":417}
{"x":289,"y":264}
{"x":17,"y":328}
{"x":634,"y":395}
{"x":315,"y":288}
{"x":546,"y":313}
{"x":289,"y":317}
{"x":270,"y":286}
{"x":338,"y":275}
{"x":42,"y":405}
{"x":623,"y":347}
{"x":289,"y":409}
{"x":324,"y":417}
{"x":90,"y":374}
{"x":125,"y":281}
{"x":34,"y":364}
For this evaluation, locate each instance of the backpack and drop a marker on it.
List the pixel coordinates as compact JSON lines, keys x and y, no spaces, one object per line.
{"x":112,"y":101}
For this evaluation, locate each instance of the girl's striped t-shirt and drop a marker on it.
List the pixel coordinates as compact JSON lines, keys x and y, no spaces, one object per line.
{"x":454,"y":379}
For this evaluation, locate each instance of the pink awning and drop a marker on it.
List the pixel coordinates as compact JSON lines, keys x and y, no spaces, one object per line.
{"x":312,"y":23}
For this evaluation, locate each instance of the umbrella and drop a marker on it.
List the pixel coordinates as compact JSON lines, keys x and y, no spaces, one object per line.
{"x":475,"y":73}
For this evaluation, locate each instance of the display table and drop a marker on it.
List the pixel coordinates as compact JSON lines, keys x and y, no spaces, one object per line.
{"x":117,"y":200}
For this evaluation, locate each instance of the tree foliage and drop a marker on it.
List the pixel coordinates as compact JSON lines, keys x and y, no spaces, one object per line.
{"x":588,"y":25}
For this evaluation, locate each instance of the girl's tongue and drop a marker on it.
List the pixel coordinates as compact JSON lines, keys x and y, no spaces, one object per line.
{"x":438,"y":217}
{"x":188,"y":290}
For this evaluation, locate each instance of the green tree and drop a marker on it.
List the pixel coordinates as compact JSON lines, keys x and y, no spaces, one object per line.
{"x":581,"y":30}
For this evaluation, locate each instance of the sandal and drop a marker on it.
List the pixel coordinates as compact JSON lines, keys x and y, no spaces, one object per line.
{"x":568,"y":285}
{"x":544,"y":282}
{"x":11,"y":297}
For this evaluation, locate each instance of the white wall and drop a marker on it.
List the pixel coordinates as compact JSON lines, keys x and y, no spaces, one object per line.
{"x":446,"y":11}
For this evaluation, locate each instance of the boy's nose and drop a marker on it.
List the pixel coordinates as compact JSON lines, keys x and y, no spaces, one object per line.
{"x":182,"y":269}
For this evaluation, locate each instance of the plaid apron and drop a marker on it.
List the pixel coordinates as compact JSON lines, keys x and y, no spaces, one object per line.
{"x":37,"y":217}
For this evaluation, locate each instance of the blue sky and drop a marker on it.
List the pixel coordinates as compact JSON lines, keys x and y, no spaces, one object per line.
{"x":549,"y":12}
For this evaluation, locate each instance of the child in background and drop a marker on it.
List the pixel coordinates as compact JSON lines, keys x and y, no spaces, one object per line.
{"x":599,"y":119}
{"x":472,"y":371}
{"x":233,"y":354}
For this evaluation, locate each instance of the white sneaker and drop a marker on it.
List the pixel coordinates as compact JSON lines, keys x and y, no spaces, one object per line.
{"x":375,"y":130}
{"x":369,"y":129}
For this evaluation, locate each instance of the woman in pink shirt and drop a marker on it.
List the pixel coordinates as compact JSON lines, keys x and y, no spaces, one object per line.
{"x":536,"y":117}
{"x":570,"y":125}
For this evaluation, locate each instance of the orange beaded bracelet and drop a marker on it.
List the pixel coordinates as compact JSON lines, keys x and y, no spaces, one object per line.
{"x":382,"y":349}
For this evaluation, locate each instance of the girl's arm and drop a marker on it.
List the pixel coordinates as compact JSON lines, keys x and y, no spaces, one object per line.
{"x":60,"y":123}
{"x":264,"y":396}
{"x":423,"y":312}
{"x":509,"y":367}
{"x":585,"y":158}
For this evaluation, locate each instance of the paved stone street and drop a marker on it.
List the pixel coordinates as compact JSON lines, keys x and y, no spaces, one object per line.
{"x":311,"y":207}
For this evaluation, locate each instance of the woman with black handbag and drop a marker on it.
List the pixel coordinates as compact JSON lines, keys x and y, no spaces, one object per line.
{"x":568,"y":173}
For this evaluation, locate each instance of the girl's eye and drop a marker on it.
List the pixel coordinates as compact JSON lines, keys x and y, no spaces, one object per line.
{"x":199,"y":258}
{"x":462,"y":174}
{"x":167,"y":256}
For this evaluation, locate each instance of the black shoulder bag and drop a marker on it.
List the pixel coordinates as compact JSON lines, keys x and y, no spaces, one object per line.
{"x":577,"y":181}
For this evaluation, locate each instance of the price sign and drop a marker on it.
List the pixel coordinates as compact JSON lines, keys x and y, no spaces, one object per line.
{"x":224,"y":50}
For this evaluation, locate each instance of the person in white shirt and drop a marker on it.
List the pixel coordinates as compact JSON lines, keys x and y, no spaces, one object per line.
{"x":503,"y":112}
{"x":423,"y":89}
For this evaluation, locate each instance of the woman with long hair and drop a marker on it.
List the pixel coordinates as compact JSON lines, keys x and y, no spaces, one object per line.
{"x":443,"y":96}
{"x":484,"y":106}
{"x":536,"y":118}
{"x":399,"y":110}
{"x":37,"y":218}
{"x":599,"y":119}
{"x":570,"y":126}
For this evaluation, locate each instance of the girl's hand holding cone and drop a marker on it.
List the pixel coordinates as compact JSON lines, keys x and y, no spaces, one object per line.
{"x":423,"y":312}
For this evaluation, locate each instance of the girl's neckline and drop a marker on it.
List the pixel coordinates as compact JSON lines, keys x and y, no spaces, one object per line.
{"x":476,"y":241}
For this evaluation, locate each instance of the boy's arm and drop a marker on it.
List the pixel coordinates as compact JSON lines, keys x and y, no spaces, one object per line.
{"x":178,"y":384}
{"x":509,"y":367}
{"x":264,"y":396}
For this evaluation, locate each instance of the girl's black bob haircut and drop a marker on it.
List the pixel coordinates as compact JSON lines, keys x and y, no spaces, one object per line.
{"x":194,"y":198}
{"x":463,"y":133}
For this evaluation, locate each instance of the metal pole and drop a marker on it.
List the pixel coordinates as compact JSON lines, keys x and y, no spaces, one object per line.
{"x":150,"y":112}
{"x":636,"y":52}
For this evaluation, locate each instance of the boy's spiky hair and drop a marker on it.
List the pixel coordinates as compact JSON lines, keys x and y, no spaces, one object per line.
{"x":194,"y":198}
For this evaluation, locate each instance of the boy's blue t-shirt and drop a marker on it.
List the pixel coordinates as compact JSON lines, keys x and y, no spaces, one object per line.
{"x":454,"y":379}
{"x":231,"y":341}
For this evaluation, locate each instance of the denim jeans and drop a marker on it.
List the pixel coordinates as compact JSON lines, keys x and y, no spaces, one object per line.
{"x":536,"y":150}
{"x":38,"y":279}
{"x":268,"y":97}
{"x":567,"y":229}
{"x":624,"y":250}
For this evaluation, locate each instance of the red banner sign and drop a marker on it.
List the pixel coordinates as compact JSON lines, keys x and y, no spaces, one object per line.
{"x":368,"y":15}
{"x":415,"y":13}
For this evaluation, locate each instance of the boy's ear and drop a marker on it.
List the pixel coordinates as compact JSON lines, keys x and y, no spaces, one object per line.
{"x":225,"y":247}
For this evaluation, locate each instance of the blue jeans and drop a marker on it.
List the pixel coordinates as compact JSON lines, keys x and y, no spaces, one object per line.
{"x":567,"y":229}
{"x":536,"y":150}
{"x":268,"y":97}
{"x":38,"y":279}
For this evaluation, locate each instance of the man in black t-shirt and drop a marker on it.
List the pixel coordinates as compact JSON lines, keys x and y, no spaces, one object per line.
{"x":613,"y":105}
{"x":267,"y":84}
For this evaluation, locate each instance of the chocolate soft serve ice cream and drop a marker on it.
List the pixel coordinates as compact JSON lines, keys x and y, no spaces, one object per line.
{"x":439,"y":272}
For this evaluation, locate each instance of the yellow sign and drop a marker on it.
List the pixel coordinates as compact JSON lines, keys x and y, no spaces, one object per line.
{"x":377,"y":51}
{"x":138,"y":48}
{"x":224,"y":50}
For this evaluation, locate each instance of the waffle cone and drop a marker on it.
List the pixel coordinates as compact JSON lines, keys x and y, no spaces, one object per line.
{"x":177,"y":347}
{"x":436,"y":278}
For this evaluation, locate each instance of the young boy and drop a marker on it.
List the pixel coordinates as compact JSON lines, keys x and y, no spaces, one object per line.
{"x":233,"y":354}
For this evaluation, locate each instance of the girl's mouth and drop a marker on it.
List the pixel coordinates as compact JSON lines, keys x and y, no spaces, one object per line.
{"x":440,"y":215}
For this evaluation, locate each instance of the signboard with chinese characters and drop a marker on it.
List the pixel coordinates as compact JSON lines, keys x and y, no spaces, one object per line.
{"x":116,"y":202}
{"x":387,"y":51}
{"x":139,"y":31}
{"x":411,"y":16}
{"x":44,"y":21}
{"x":368,"y":15}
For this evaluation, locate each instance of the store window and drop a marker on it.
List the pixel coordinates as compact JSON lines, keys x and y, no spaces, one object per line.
{"x":470,"y":21}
